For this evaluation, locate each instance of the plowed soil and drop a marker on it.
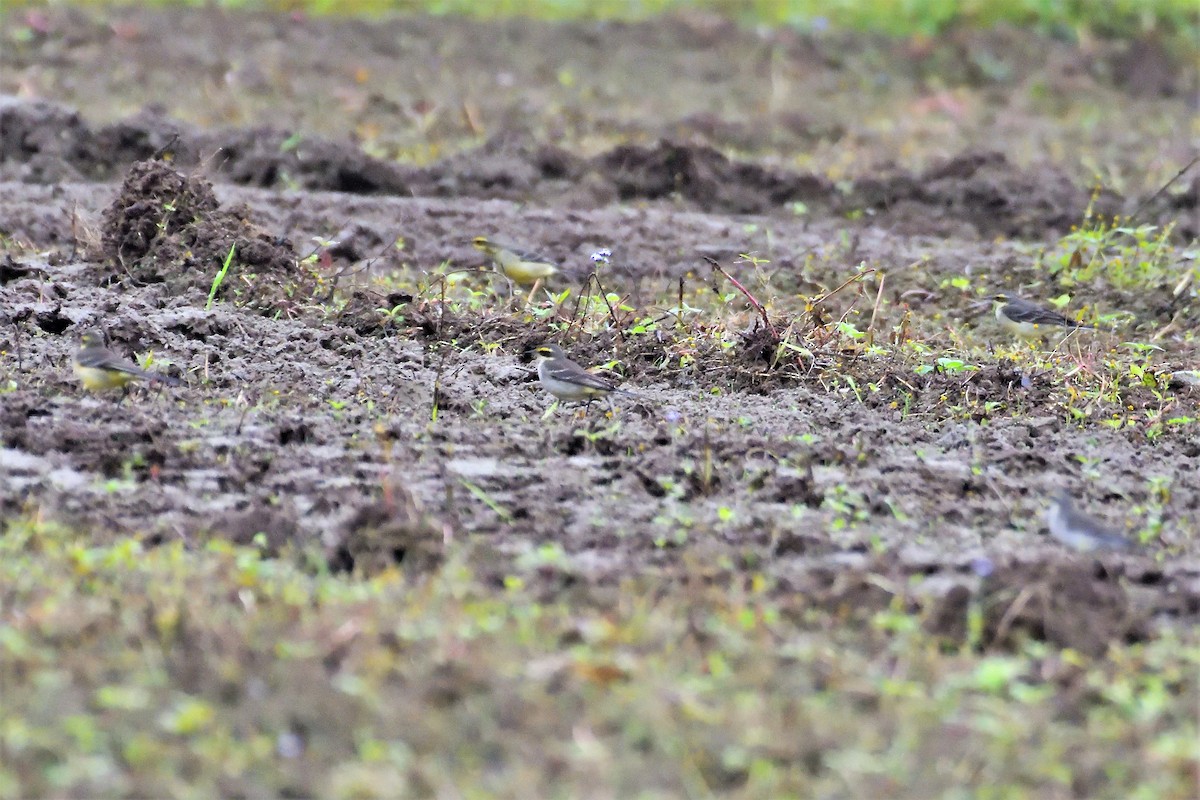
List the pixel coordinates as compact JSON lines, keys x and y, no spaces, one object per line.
{"x":333,"y":401}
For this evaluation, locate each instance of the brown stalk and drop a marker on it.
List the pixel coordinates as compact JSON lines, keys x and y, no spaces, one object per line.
{"x":762,"y":311}
{"x":843,"y":285}
{"x":1141,"y":207}
{"x":611,"y":314}
{"x":875,"y":310}
{"x":585,"y":295}
{"x":679,"y":308}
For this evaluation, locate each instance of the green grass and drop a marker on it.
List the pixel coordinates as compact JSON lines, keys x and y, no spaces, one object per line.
{"x":1063,"y":17}
{"x":131,"y":671}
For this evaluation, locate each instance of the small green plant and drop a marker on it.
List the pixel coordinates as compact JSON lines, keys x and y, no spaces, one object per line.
{"x":1123,"y":257}
{"x":599,"y":434}
{"x":847,"y":506}
{"x":393,"y":315}
{"x":951,"y":366}
{"x":548,"y":554}
{"x":219,"y":278}
{"x":499,"y":510}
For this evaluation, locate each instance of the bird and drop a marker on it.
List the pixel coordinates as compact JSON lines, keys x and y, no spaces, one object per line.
{"x":519,"y":266}
{"x":566,"y":380}
{"x":100,"y":369}
{"x":1186,"y":379}
{"x":1077,"y":530}
{"x":1029,"y":320}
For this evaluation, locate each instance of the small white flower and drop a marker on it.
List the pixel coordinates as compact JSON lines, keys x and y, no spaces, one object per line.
{"x":602,"y":256}
{"x":289,"y":745}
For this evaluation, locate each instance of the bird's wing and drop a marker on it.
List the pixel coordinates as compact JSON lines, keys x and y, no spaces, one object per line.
{"x":1117,"y":541}
{"x":99,"y":358}
{"x":573,"y":373}
{"x":1025,"y":311}
{"x":102,"y":358}
{"x":1104,"y":535}
{"x":525,"y":255}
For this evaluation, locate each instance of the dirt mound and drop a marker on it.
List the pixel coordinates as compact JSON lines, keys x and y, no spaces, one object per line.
{"x":42,"y":142}
{"x":987,"y":191}
{"x":270,"y":158}
{"x":705,"y":178}
{"x":155,"y":212}
{"x":395,"y":533}
{"x":1075,"y":603}
{"x":166,"y":227}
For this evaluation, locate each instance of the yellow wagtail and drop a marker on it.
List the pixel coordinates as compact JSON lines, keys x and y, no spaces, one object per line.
{"x":566,"y":380}
{"x":1029,"y":320}
{"x":100,"y":369}
{"x":518,"y":266}
{"x":1077,"y":530}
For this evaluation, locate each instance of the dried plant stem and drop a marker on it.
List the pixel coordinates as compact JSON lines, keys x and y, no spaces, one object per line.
{"x":857,"y":277}
{"x":875,"y":310}
{"x":762,"y":311}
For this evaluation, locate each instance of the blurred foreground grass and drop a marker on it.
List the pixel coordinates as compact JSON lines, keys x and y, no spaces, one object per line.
{"x":1061,"y":17}
{"x":155,"y":672}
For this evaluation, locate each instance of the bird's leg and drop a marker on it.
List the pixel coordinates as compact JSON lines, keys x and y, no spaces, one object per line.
{"x":537,"y":283}
{"x":508,"y":298}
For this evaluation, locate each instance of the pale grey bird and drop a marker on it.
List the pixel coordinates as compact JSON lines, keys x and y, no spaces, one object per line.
{"x":566,"y":380}
{"x":1029,"y":320}
{"x":1077,"y":530}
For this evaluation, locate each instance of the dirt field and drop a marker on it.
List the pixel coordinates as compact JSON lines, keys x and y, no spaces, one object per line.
{"x":876,"y":446}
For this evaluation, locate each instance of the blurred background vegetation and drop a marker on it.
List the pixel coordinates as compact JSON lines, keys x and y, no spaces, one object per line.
{"x":1072,"y":19}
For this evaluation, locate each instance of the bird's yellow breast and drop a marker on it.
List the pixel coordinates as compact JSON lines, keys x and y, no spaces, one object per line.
{"x":527,"y":272}
{"x":95,"y":379}
{"x":517,"y":268}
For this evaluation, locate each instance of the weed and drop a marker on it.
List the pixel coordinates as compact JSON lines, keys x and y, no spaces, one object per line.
{"x":219,"y":278}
